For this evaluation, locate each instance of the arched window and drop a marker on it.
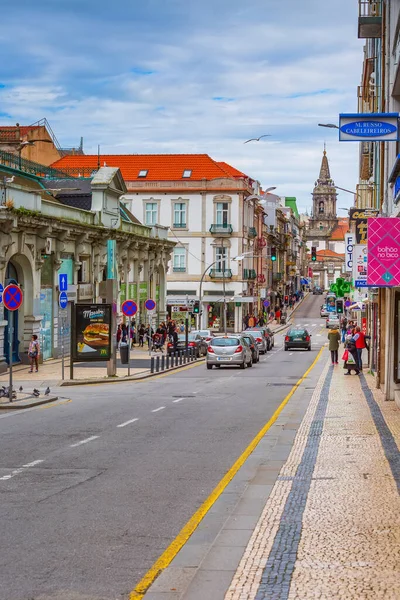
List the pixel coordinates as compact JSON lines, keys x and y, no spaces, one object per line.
{"x":321,"y":208}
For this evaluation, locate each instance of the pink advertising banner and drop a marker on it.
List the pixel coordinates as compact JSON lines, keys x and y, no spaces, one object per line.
{"x":383,"y":252}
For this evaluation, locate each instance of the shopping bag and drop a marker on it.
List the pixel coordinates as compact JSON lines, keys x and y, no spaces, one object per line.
{"x":350,"y":360}
{"x":345,"y":355}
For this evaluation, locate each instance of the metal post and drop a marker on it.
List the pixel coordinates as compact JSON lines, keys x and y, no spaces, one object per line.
{"x":167,"y":362}
{"x":129,"y":346}
{"x":10,"y":339}
{"x":62,"y":348}
{"x":72,"y":339}
{"x":180,"y":357}
{"x":223,"y":289}
{"x":199,"y":324}
{"x":157,"y":364}
{"x":152,"y":364}
{"x":163,"y":363}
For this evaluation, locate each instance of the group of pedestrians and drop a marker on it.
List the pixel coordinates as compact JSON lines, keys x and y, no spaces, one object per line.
{"x":147,"y":336}
{"x":354,"y":341}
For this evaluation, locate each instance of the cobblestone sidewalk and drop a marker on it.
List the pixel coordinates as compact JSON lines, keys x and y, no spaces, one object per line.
{"x":331,"y":526}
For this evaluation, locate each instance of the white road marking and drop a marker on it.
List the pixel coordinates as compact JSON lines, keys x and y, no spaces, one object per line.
{"x":89,"y":439}
{"x":127,"y":423}
{"x":180,"y":399}
{"x":157,"y":409}
{"x":290,"y":353}
{"x":319,"y":334}
{"x":20,"y":470}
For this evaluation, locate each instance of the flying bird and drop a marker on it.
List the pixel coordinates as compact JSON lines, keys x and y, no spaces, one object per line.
{"x":47,"y":392}
{"x":257,"y":139}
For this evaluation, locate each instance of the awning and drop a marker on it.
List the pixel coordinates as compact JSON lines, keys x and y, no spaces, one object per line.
{"x":304,"y":281}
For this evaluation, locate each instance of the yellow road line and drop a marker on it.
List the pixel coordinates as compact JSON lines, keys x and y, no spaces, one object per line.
{"x":44,"y":407}
{"x":169,"y":554}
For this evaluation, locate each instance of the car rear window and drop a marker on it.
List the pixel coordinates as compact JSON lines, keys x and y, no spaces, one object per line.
{"x":297,"y":332}
{"x":191,"y":336}
{"x":258,"y":331}
{"x":225,"y":342}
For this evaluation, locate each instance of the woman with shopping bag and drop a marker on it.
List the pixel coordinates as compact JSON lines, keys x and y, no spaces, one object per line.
{"x":350,"y":356}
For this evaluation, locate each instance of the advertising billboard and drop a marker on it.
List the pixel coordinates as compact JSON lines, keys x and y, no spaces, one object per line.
{"x":361,"y":216}
{"x":349,"y":243}
{"x":92,"y":332}
{"x":384,"y":252}
{"x":360,"y":265}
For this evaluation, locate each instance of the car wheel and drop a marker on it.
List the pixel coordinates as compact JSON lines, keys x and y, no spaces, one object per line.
{"x":243,"y":365}
{"x":250,"y":364}
{"x":209,"y":366}
{"x":309,"y":348}
{"x":286,"y":348}
{"x":217,"y":366}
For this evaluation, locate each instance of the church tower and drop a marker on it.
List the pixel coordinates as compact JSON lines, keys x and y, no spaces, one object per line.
{"x":324,"y":218}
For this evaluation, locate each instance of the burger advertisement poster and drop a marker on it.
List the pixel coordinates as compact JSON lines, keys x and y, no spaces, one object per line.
{"x":92,"y":339}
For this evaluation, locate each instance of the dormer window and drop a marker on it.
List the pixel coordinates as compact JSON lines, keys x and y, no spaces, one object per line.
{"x":143,"y":173}
{"x":187,"y":173}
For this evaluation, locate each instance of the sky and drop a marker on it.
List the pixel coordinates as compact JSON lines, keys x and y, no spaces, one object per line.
{"x":191,"y":76}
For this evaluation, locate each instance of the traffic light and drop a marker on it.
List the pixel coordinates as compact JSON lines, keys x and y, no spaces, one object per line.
{"x":273,"y":254}
{"x":313,"y":253}
{"x":286,"y":299}
{"x":196,"y":307}
{"x":339,"y":307}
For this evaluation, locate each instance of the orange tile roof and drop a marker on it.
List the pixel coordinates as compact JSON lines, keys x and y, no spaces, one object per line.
{"x":339,"y":231}
{"x":329,"y":254}
{"x":231,"y":170}
{"x":160,"y":167}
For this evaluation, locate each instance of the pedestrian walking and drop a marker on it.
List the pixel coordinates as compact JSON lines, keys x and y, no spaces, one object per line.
{"x":33,"y":353}
{"x":246,"y":321}
{"x":359,"y":338}
{"x":343,"y":327}
{"x":142,"y":332}
{"x":252,"y":321}
{"x":334,"y":341}
{"x":350,"y":356}
{"x":261,"y":321}
{"x":278,"y":315}
{"x":119,"y":334}
{"x":175,"y":339}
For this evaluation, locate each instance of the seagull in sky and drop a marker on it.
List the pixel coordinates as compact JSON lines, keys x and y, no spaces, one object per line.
{"x":257,"y":139}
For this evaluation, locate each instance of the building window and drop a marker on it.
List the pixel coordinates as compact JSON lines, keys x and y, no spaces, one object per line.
{"x":222,"y":213}
{"x":151,"y":213}
{"x":179,"y":260}
{"x":221,"y":257}
{"x":83,"y":271}
{"x":143,"y":173}
{"x":179,"y":215}
{"x":187,"y":173}
{"x":321,"y":208}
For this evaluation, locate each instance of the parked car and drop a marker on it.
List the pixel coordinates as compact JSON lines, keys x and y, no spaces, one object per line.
{"x":229,"y":350}
{"x":262,"y":338}
{"x":324,"y":312}
{"x":298,"y":337}
{"x":194,"y":341}
{"x":206,"y":334}
{"x":253,"y":346}
{"x":317,"y":290}
{"x":333,"y":321}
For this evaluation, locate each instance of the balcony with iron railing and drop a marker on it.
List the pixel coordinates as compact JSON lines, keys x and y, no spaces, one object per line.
{"x":369,"y":98}
{"x":369,"y":19}
{"x":179,"y":269}
{"x":221,"y":274}
{"x":252,"y":232}
{"x":17,"y":163}
{"x":221,"y":229}
{"x":179,"y":226}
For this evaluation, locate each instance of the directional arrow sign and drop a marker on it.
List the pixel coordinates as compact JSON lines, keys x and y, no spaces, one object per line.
{"x":63,"y":282}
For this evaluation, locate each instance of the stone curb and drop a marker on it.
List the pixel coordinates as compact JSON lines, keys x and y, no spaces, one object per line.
{"x":15,"y":406}
{"x":72,"y":382}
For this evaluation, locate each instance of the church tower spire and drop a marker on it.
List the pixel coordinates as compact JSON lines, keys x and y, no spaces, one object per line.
{"x":324,"y":217}
{"x":324,"y":173}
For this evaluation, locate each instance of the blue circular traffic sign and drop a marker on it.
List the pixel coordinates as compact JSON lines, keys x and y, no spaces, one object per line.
{"x":63,"y":300}
{"x":1,"y":292}
{"x":129,"y":308}
{"x":150,"y":304}
{"x":266,"y":303}
{"x":12,"y":297}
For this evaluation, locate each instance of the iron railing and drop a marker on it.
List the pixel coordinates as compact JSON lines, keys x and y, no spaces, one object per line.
{"x":217,"y":274}
{"x":17,"y":163}
{"x":218,"y":229}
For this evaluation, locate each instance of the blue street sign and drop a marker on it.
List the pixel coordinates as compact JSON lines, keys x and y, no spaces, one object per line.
{"x":12,"y":297}
{"x":129,"y":308}
{"x":1,"y":292}
{"x":63,"y":299}
{"x":63,"y":282}
{"x":150,"y":304}
{"x":266,"y":303}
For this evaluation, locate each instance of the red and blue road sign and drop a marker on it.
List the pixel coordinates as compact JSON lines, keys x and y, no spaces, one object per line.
{"x":129,"y":308}
{"x":12,"y":297}
{"x":150,"y":304}
{"x":266,"y":303}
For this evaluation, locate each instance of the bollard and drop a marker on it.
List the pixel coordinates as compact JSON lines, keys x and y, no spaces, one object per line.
{"x":180,"y":357}
{"x":185,"y":352}
{"x":167,"y":366}
{"x":192,"y":355}
{"x":152,"y":364}
{"x":157,"y":364}
{"x":163,"y":363}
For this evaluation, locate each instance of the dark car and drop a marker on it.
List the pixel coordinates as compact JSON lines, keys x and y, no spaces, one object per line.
{"x":271,"y":337}
{"x":250,"y":339}
{"x":317,"y":290}
{"x":195,"y":341}
{"x":262,"y":338}
{"x":298,"y":338}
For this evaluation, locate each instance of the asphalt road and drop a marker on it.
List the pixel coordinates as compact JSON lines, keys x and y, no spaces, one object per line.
{"x":92,"y":490}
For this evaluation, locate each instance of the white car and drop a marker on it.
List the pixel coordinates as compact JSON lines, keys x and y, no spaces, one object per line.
{"x":324,"y":313}
{"x":333,"y":321}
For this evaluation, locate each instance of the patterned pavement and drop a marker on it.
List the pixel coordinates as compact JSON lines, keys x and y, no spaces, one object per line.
{"x":331,"y":525}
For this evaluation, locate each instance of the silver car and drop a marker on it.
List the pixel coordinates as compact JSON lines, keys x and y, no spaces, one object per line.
{"x":333,"y":321}
{"x":232,"y":350}
{"x":262,"y":338}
